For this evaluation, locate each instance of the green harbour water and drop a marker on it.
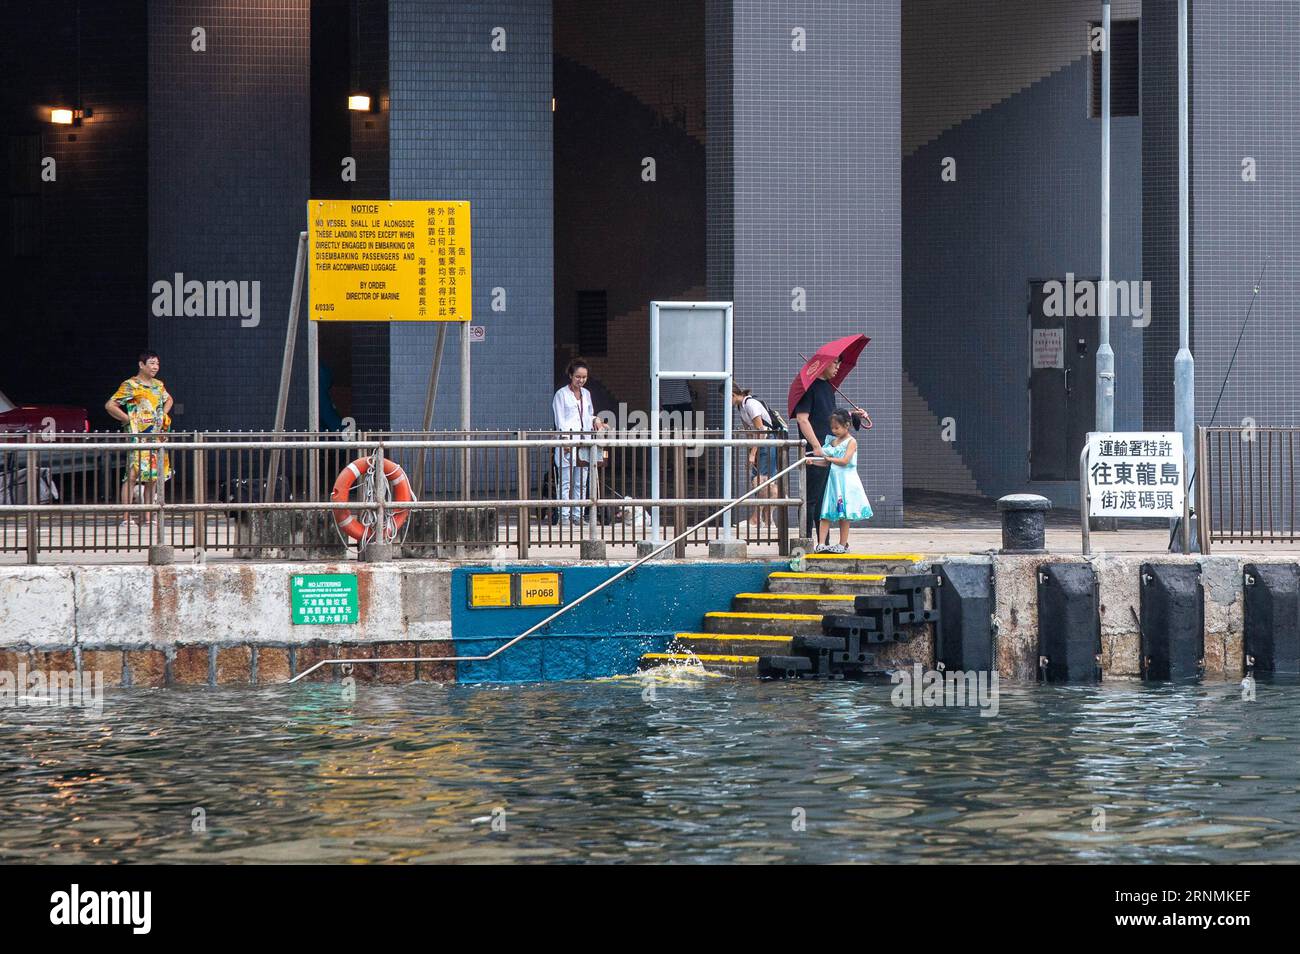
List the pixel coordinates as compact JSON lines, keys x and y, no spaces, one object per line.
{"x":666,"y":768}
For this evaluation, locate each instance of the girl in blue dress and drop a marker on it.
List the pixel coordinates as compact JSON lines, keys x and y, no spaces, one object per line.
{"x":845,"y":500}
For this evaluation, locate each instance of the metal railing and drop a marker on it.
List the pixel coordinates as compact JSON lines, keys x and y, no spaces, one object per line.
{"x":759,"y":486}
{"x":1246,"y":485}
{"x":267,"y":495}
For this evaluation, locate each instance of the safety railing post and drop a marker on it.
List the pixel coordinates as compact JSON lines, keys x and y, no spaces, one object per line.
{"x":160,"y":497}
{"x":379,"y":482}
{"x":1203,"y":516}
{"x":200,"y":471}
{"x":521,"y":482}
{"x":593,"y":491}
{"x":679,"y":491}
{"x":33,"y":498}
{"x":783,"y":518}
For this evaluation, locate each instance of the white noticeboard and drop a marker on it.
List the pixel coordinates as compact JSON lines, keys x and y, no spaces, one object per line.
{"x":1136,"y":474}
{"x":690,"y":340}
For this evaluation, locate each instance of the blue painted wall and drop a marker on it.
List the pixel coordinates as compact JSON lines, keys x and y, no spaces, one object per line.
{"x":605,"y":635}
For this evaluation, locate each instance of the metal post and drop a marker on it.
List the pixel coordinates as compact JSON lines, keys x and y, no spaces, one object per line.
{"x":33,"y":498}
{"x":430,"y":396}
{"x":654,"y":419}
{"x":593,"y":489}
{"x":379,"y":548}
{"x":200,"y":496}
{"x":1105,"y":354}
{"x":783,"y":518}
{"x":160,"y":499}
{"x":727,"y":410}
{"x":679,"y":491}
{"x":313,"y":405}
{"x":1184,"y":364}
{"x":1084,"y":497}
{"x":1203,"y":522}
{"x":464,"y":404}
{"x":286,"y":363}
{"x":521,"y":465}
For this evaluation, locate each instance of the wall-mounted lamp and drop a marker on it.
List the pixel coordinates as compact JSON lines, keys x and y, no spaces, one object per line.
{"x":359,"y":102}
{"x":67,"y":116}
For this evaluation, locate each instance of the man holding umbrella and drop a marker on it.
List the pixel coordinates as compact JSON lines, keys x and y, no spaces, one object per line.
{"x":811,"y":401}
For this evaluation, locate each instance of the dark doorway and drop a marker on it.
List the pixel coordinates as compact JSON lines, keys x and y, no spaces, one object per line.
{"x":1062,"y":384}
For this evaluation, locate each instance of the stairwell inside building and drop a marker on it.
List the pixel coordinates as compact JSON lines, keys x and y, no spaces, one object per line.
{"x":757,"y":626}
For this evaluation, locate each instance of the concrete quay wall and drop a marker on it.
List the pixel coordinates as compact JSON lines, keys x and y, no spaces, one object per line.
{"x":231,"y":623}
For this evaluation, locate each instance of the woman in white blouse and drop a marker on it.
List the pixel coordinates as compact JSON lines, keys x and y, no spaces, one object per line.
{"x":574,"y":411}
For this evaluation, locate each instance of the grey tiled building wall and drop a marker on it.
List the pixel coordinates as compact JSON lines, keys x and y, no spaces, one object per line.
{"x":470,"y":123}
{"x":228,"y":175}
{"x":1024,"y":206}
{"x":804,"y":193}
{"x":1159,"y":33}
{"x":1245,"y":96}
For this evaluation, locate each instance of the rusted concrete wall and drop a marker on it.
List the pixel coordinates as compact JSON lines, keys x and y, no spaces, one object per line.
{"x":220,"y":623}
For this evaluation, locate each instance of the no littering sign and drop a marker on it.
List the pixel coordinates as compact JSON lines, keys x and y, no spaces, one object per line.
{"x":322,"y":599}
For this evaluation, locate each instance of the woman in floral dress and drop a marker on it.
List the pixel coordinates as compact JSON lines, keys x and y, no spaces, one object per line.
{"x":143,"y":405}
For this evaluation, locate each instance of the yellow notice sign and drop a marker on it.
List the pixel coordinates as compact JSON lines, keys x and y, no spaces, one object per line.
{"x":389,"y":261}
{"x":489,"y":590}
{"x":539,"y":589}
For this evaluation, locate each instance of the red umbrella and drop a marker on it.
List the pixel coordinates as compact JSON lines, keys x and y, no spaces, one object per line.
{"x":845,"y":349}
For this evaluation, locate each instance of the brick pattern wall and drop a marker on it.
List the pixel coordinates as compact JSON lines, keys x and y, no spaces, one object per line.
{"x":229,"y":169}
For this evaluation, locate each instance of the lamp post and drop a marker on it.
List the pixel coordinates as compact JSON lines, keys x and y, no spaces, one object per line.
{"x":1184,"y":364}
{"x":1105,"y":354}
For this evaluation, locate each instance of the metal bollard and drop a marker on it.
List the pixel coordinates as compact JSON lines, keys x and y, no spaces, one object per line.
{"x":1024,"y":521}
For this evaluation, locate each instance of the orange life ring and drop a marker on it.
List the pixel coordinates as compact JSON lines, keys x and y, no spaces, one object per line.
{"x":397,"y":483}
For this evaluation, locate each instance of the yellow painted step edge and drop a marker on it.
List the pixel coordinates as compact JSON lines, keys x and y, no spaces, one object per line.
{"x":911,"y":557}
{"x":733,"y":637}
{"x":840,"y":597}
{"x":855,"y":577}
{"x":700,"y":657}
{"x":731,"y":614}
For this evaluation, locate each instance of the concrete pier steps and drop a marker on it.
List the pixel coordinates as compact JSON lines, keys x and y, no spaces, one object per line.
{"x":793,"y":604}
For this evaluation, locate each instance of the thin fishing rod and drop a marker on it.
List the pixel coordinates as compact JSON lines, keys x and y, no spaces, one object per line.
{"x":1224,"y":386}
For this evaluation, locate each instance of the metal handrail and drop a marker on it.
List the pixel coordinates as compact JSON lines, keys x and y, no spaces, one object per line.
{"x":563,"y":609}
{"x":579,"y":437}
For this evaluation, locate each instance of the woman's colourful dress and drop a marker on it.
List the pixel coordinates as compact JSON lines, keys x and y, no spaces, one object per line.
{"x":845,"y":497}
{"x":143,"y":402}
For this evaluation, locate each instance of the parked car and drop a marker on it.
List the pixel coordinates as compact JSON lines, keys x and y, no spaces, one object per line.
{"x":27,"y":418}
{"x":34,"y":419}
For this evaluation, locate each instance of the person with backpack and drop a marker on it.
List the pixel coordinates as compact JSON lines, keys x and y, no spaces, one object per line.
{"x":759,"y":419}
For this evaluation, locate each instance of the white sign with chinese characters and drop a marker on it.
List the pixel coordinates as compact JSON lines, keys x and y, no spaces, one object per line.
{"x":1136,"y":474}
{"x":1049,"y":348}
